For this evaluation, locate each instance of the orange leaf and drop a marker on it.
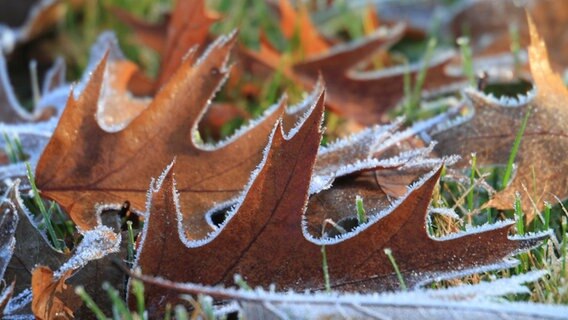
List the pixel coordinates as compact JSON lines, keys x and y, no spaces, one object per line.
{"x":52,"y":298}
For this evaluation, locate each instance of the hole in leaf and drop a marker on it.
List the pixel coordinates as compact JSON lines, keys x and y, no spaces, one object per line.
{"x":219,"y":216}
{"x":508,"y":89}
{"x":347,"y":223}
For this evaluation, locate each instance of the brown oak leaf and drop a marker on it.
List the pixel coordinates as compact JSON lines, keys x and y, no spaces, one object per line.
{"x":360,"y":95}
{"x":118,"y":105}
{"x":104,"y":167}
{"x":490,"y":128}
{"x":112,"y":177}
{"x":263,"y":237}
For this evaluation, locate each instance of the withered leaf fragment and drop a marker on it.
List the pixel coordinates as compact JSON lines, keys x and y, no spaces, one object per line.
{"x":187,"y":27}
{"x":11,"y":111}
{"x":263,"y":238}
{"x":40,"y":17}
{"x":35,"y":249}
{"x":88,"y":264}
{"x":492,"y":125}
{"x":84,"y":165}
{"x":8,"y":224}
{"x":53,"y":299}
{"x":491,"y":34}
{"x":297,"y":22}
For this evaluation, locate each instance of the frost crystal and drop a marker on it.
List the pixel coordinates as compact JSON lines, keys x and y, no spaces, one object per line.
{"x":96,"y":244}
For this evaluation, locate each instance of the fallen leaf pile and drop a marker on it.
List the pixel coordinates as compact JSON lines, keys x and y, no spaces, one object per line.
{"x":121,"y":163}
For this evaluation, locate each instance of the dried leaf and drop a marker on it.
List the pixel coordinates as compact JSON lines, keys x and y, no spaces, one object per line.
{"x":465,"y":301}
{"x":360,"y":95}
{"x":491,"y":126}
{"x":52,"y":298}
{"x":152,"y":35}
{"x":90,"y":262}
{"x":98,"y":166}
{"x":264,"y":240}
{"x":34,"y":250}
{"x":8,"y":224}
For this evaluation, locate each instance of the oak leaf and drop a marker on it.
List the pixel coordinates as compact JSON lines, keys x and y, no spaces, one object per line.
{"x":118,"y":105}
{"x":98,"y":166}
{"x":490,"y":128}
{"x":116,"y":179}
{"x":465,"y":301}
{"x":264,"y":240}
{"x":360,"y":95}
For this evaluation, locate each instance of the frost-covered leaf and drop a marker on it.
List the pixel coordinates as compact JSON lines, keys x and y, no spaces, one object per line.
{"x":8,"y":224}
{"x":40,"y":17}
{"x":119,"y":104}
{"x":271,"y":205}
{"x":88,"y":264}
{"x":52,"y":298}
{"x":491,"y":125}
{"x":31,"y":251}
{"x":480,"y":301}
{"x":264,"y":239}
{"x":98,"y":166}
{"x":80,"y":186}
{"x":11,"y":111}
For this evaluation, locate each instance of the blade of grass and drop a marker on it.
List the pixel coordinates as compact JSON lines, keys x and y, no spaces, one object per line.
{"x":514,"y":151}
{"x":467,"y":59}
{"x":80,"y":291}
{"x":119,"y":308}
{"x":470,"y":196}
{"x":39,"y":203}
{"x":361,"y":214}
{"x":388,"y":252}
